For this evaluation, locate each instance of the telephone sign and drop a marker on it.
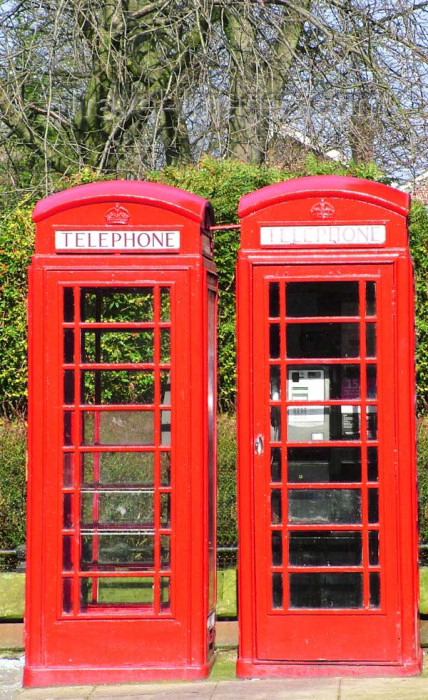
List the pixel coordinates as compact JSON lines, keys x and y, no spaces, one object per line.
{"x":326,"y":431}
{"x":117,"y":240}
{"x":121,"y":498}
{"x":322,"y":235}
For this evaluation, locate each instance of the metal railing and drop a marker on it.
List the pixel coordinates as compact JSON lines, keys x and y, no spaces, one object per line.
{"x":226,"y":557}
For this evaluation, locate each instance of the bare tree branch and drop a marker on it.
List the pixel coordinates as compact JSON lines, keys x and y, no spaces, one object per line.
{"x":124,"y":85}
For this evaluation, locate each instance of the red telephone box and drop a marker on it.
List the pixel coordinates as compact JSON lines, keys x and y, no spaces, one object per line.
{"x":328,"y":580}
{"x":121,"y":524}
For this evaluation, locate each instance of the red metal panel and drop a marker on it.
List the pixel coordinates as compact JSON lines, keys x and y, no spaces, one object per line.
{"x":373,"y":632}
{"x":246,"y":436}
{"x":142,"y":193}
{"x":329,"y":633}
{"x":123,"y":207}
{"x":118,"y":559}
{"x":324,"y":201}
{"x":344,"y":187}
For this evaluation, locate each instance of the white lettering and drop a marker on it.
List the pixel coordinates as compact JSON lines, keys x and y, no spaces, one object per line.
{"x":369,"y":234}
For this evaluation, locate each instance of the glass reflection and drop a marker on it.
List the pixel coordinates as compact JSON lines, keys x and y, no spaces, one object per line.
{"x":275,"y":464}
{"x":372,"y":464}
{"x":371,"y":340}
{"x":275,"y":383}
{"x":310,"y":340}
{"x":276,"y":548}
{"x":113,"y":549}
{"x":67,"y":600}
{"x":277,"y":591}
{"x":335,"y":590}
{"x":68,"y":307}
{"x":276,"y":507}
{"x":324,"y":464}
{"x":371,"y":381}
{"x":373,"y":547}
{"x":67,"y":519}
{"x":371,"y":298}
{"x":68,"y":427}
{"x":373,"y":505}
{"x":322,"y":299}
{"x":67,"y":472}
{"x":306,"y":506}
{"x":274,"y":300}
{"x":274,"y":346}
{"x":275,"y":423}
{"x":325,"y":548}
{"x":69,"y":386}
{"x":68,"y":346}
{"x":118,"y":427}
{"x":374,"y":590}
{"x":117,"y":468}
{"x":122,"y":507}
{"x":67,"y":560}
{"x":371,"y":412}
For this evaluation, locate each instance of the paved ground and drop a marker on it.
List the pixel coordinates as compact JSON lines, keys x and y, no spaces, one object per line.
{"x":284,"y":689}
{"x":11,"y":677}
{"x":220,"y":686}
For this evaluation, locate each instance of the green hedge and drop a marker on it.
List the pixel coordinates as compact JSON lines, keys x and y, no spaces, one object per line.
{"x":16,"y":247}
{"x":418,"y":232}
{"x":12,"y":484}
{"x":227,"y":535}
{"x":223,"y":182}
{"x":423,"y":482}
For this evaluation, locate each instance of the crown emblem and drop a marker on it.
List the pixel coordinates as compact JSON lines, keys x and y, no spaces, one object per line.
{"x":323,"y":210}
{"x":117,"y":215}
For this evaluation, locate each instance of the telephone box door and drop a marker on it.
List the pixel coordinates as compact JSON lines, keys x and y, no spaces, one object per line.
{"x":120,"y":437}
{"x":324,"y":464}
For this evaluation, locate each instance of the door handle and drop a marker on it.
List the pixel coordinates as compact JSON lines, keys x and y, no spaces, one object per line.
{"x":259,"y":445}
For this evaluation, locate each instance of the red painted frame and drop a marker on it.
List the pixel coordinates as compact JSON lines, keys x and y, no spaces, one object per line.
{"x":115,"y":644}
{"x":266,"y":649}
